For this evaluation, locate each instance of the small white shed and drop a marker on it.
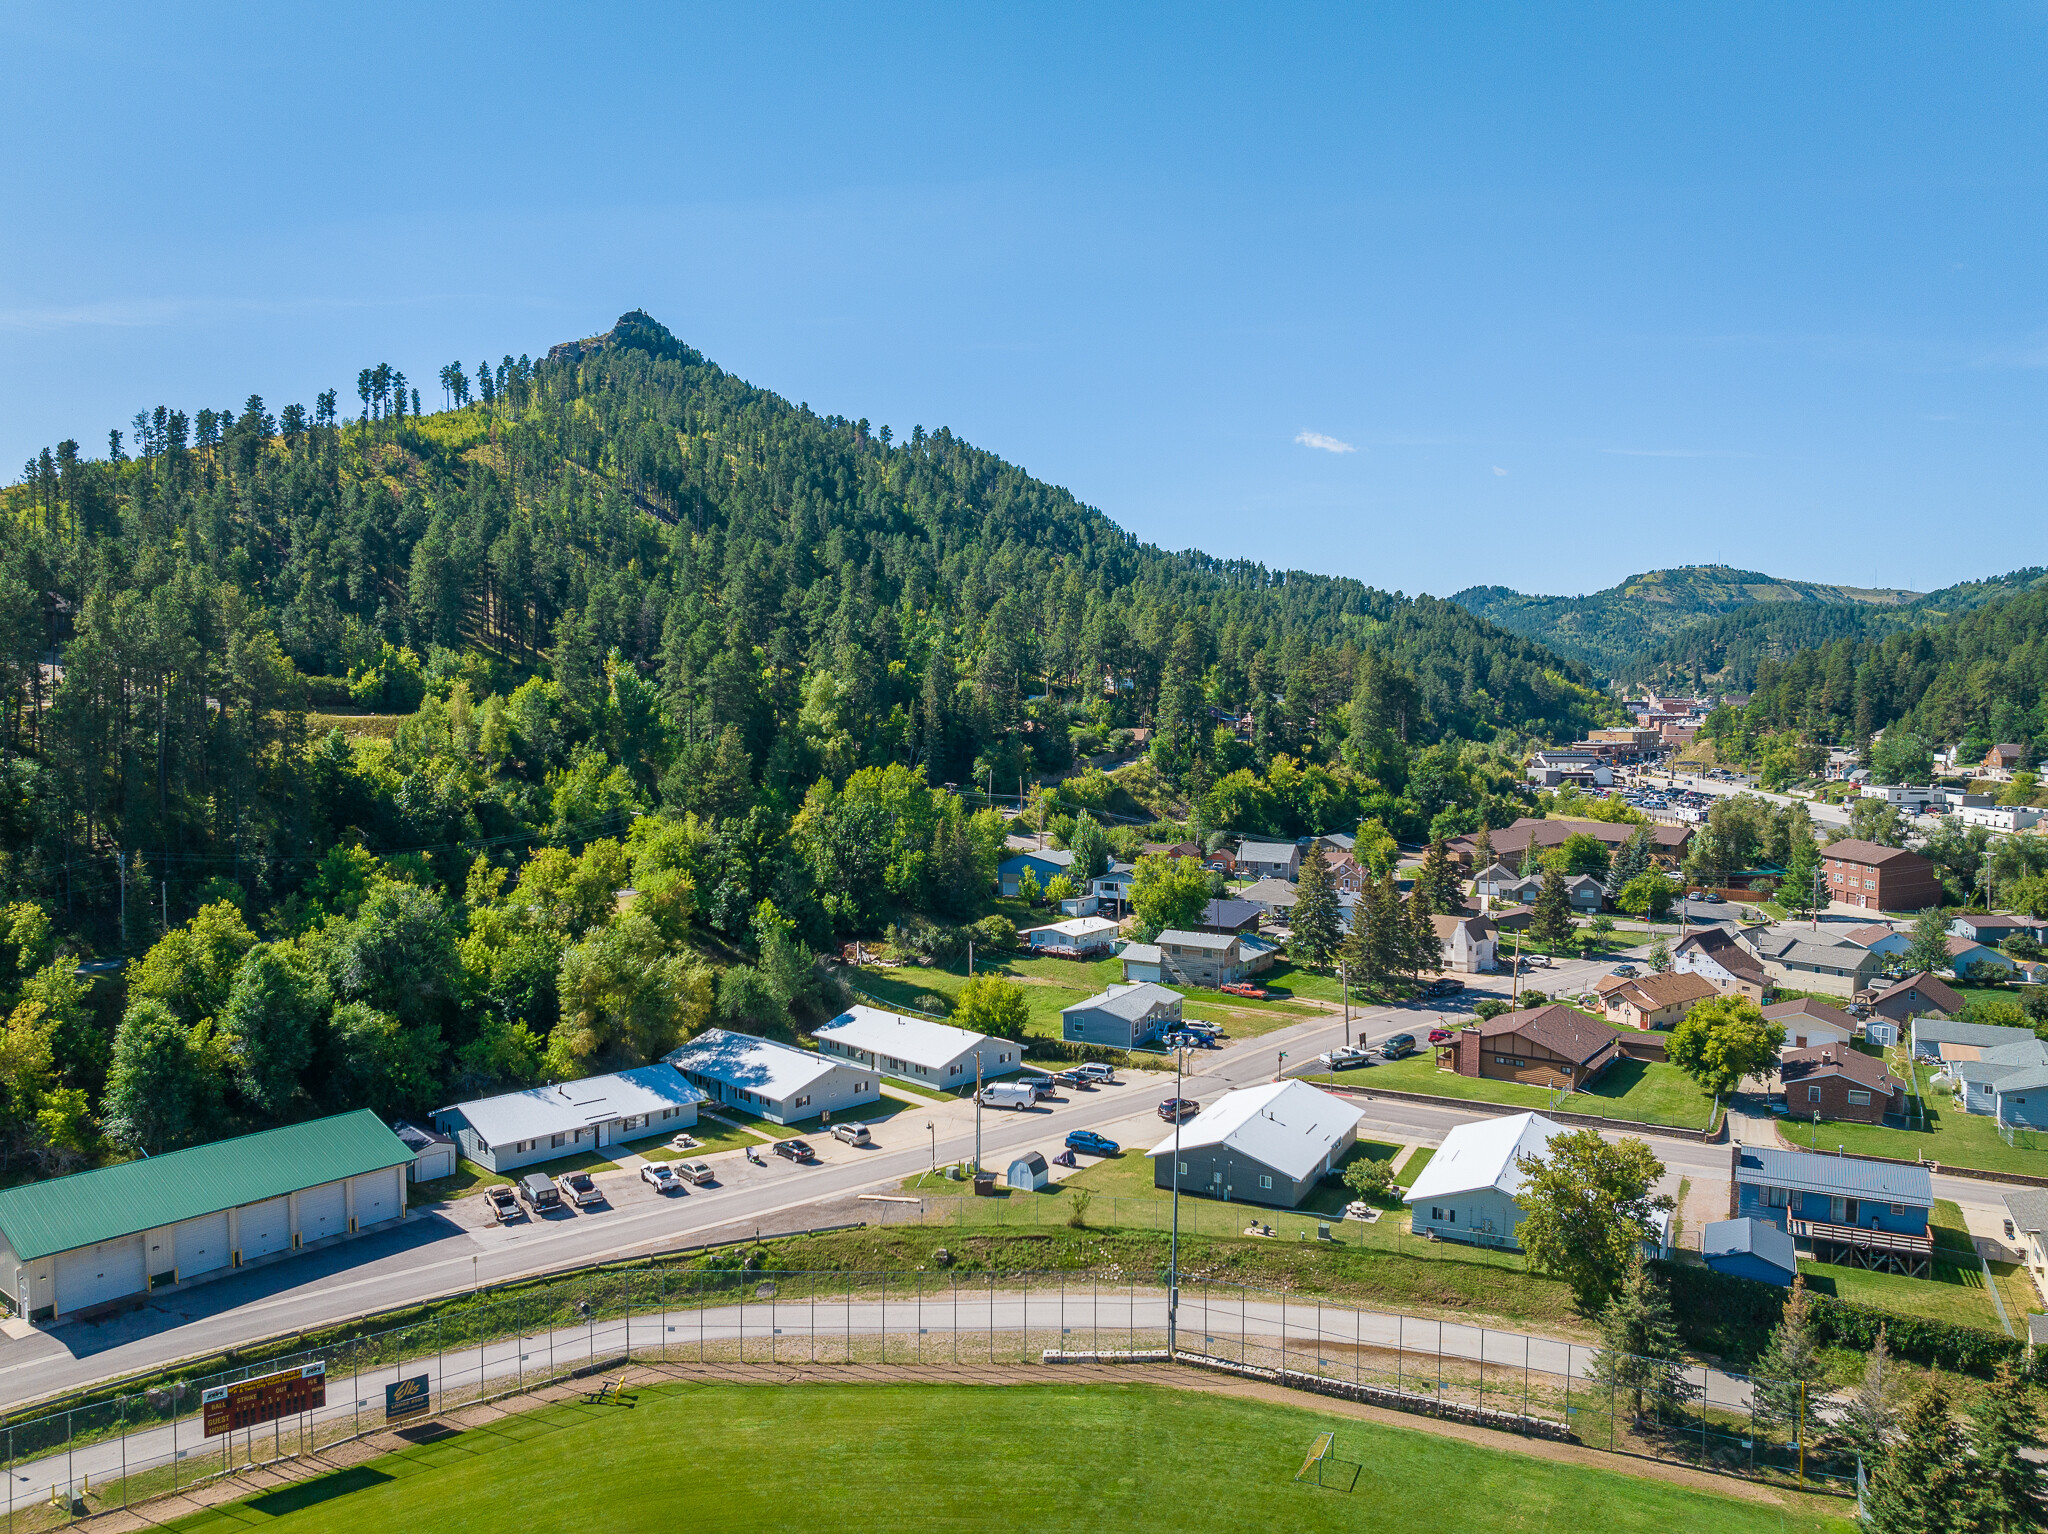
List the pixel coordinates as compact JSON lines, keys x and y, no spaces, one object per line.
{"x":1029,"y":1172}
{"x":433,"y":1154}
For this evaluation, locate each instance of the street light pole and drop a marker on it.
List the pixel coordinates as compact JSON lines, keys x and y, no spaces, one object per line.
{"x":1344,"y":977}
{"x":934,"y":1128}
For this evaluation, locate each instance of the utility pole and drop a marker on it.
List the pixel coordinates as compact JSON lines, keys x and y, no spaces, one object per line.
{"x":1180,"y":1055}
{"x":1344,"y":978}
{"x":977,"y":1113}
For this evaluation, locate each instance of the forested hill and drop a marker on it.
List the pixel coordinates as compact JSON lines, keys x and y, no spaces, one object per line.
{"x":339,"y":719}
{"x":1709,"y":623}
{"x":1980,"y":678}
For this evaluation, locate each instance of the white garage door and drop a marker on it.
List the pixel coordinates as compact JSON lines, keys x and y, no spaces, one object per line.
{"x":93,"y":1274}
{"x":202,"y":1244}
{"x":323,"y":1211}
{"x":266,"y":1228}
{"x":377,"y":1198}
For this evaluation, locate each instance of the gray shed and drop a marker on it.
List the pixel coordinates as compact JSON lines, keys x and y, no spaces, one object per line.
{"x":1029,"y":1172}
{"x":433,"y":1154}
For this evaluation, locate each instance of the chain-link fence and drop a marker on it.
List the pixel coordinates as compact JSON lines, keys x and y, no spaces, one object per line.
{"x":88,"y":1458}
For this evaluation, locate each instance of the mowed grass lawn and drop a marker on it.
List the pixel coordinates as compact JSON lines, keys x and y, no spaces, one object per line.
{"x":1632,"y":1091}
{"x":1126,"y":1457}
{"x":1951,"y":1136}
{"x":1052,"y":985}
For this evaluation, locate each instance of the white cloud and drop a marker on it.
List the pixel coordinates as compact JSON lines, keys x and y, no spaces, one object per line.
{"x":1316,"y":439}
{"x":1503,"y":473}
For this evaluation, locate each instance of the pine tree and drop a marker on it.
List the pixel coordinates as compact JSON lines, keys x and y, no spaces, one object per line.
{"x":1552,"y":922}
{"x":1314,"y":919}
{"x":1632,"y":858}
{"x":2009,"y":1487}
{"x":1482,"y":847}
{"x":1871,"y":1412}
{"x":1639,"y":1351}
{"x":1439,"y":880}
{"x":1425,"y":948}
{"x":1785,"y":1391}
{"x":1922,"y":1484}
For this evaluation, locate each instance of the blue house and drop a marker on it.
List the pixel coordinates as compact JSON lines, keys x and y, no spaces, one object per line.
{"x":1865,"y":1214}
{"x":1045,"y":865}
{"x":1750,"y":1249}
{"x":2007,"y":1081}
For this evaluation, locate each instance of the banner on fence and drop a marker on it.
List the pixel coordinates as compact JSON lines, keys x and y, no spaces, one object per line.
{"x":227,"y":1407}
{"x":406,"y":1398}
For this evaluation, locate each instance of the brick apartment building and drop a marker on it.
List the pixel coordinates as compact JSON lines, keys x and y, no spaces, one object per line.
{"x":1870,"y":877}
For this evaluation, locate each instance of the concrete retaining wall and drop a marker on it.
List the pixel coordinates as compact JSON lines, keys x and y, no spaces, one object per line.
{"x":1395,"y":1400}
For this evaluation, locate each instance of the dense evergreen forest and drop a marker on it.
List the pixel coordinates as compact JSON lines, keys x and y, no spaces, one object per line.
{"x":1979,"y":679}
{"x":348,"y":727}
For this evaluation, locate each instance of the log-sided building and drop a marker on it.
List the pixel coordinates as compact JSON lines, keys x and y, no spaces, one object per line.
{"x":1549,"y":1046}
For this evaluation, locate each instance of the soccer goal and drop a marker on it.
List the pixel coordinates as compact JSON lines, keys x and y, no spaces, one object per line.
{"x":1322,"y":1466}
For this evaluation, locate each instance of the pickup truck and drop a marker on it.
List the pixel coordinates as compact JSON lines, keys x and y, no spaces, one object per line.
{"x":1347,"y":1057}
{"x":578,"y":1189}
{"x":1244,"y":988}
{"x":504,"y":1203}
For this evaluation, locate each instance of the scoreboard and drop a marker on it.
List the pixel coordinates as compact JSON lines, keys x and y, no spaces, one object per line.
{"x":286,"y":1394}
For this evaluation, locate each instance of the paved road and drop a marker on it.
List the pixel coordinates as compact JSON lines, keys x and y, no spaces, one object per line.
{"x":448,"y":1249}
{"x":940,"y":1322}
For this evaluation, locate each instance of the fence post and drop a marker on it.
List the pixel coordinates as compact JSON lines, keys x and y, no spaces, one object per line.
{"x":124,"y":1450}
{"x":440,"y":1372}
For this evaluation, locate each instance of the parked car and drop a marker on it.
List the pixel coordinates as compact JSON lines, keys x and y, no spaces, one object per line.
{"x":1073,"y":1079}
{"x":794,"y":1150}
{"x":1041,"y":1086}
{"x":1008,"y":1094}
{"x":1397,"y":1046}
{"x":1347,"y":1057}
{"x":1712,"y":897}
{"x":852,"y":1134}
{"x":503,"y":1202}
{"x":1175,"y":1109}
{"x":1244,"y":988}
{"x":698,"y":1172}
{"x":1626,"y":972}
{"x":537,"y":1192}
{"x":661,"y":1177}
{"x":1090,"y":1143}
{"x":1095,"y":1071}
{"x":578,"y":1189}
{"x":1441,"y":1035}
{"x":1444,"y":988}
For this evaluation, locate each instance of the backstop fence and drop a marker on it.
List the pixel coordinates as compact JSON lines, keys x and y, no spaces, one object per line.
{"x":82,"y":1459}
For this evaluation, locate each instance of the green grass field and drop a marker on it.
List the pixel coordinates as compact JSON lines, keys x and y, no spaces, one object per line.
{"x":1951,"y":1136}
{"x":1634,"y":1091}
{"x":1127,"y":1457}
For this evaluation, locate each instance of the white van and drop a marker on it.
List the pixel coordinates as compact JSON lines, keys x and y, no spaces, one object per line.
{"x":1008,"y":1094}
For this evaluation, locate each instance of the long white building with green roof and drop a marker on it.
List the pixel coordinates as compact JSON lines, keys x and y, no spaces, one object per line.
{"x":71,"y":1244}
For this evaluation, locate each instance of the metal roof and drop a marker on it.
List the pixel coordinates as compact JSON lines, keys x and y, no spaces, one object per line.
{"x":918,"y":1040}
{"x":1485,"y":1154}
{"x":1131,"y":1002}
{"x":1729,"y":1238}
{"x":1940,"y":1030}
{"x":570,"y":1105}
{"x":1289,"y":1126}
{"x":759,"y":1065}
{"x":1840,"y":1176}
{"x":66,"y":1212}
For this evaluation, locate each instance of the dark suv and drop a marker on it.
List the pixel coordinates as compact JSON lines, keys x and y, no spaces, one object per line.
{"x":537,"y":1191}
{"x":1397,"y":1046}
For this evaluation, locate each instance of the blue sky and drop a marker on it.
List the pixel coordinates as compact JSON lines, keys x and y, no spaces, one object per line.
{"x":1562,"y":292}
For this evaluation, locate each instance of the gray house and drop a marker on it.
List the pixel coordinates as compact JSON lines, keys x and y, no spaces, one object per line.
{"x":1269,"y":860}
{"x":1122,"y":1017}
{"x":1467,"y":1192}
{"x":1269,"y":1144}
{"x":516,"y":1129}
{"x":781,"y":1083}
{"x":2008,"y":1081}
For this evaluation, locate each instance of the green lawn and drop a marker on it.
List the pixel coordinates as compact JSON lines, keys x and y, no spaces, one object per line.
{"x":1955,"y":1293}
{"x":711,"y":1135}
{"x":767,"y":1458}
{"x":1951,"y":1136}
{"x":1633,"y":1091}
{"x":1411,"y":1169}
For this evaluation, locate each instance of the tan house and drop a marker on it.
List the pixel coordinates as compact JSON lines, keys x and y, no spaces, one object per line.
{"x":2027,"y":1208}
{"x":1800,"y":958}
{"x":1210,"y":958}
{"x":1811,"y":1024}
{"x":1653,"y":1001}
{"x":1548,"y":1046}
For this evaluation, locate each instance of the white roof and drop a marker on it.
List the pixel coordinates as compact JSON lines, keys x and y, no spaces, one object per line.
{"x":760,"y":1065}
{"x":1079,"y":926}
{"x":515,"y":1116}
{"x":1289,"y":1126}
{"x":916,"y":1039}
{"x":1483,"y":1155}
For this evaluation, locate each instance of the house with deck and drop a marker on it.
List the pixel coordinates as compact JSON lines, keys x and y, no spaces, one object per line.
{"x":1864,"y":1214}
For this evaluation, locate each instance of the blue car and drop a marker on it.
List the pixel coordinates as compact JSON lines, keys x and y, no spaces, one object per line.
{"x":1089,"y":1141}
